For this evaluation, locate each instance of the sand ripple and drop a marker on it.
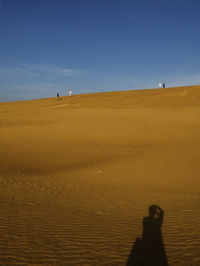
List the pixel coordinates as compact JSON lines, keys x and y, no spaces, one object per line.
{"x":58,"y":221}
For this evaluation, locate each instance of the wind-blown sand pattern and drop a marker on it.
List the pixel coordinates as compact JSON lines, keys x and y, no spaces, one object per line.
{"x":79,"y":173}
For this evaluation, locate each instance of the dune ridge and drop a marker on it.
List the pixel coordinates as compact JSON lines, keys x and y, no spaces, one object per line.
{"x":78,"y":173}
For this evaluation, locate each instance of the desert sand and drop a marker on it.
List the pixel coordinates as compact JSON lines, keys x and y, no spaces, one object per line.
{"x":77,"y":175}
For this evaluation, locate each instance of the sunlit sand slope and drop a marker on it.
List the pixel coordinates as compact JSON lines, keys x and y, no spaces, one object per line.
{"x":78,"y":174}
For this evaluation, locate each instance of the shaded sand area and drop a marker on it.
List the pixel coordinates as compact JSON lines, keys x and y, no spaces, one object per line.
{"x":79,"y":173}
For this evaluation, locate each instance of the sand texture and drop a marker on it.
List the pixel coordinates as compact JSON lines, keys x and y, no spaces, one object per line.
{"x":77,"y":175}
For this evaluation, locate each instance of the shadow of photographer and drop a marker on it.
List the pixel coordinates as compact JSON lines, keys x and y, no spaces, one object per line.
{"x":149,"y":249}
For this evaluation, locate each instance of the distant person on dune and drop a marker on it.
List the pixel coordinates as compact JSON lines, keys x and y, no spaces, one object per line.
{"x":58,"y":95}
{"x":163,"y":84}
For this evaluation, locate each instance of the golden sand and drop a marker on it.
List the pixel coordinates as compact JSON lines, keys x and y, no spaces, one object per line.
{"x":79,"y":173}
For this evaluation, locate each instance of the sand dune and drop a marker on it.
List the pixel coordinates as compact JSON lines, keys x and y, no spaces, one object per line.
{"x":78,"y":174}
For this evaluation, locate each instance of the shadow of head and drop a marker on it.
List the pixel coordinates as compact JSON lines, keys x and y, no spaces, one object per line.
{"x":152,"y":211}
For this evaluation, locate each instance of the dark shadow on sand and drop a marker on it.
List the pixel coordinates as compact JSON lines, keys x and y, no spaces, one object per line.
{"x":149,"y":249}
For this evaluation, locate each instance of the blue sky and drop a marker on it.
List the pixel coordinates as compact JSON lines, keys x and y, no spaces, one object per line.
{"x":49,"y":46}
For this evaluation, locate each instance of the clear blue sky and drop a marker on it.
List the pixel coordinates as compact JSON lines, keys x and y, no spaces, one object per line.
{"x":96,"y":45}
